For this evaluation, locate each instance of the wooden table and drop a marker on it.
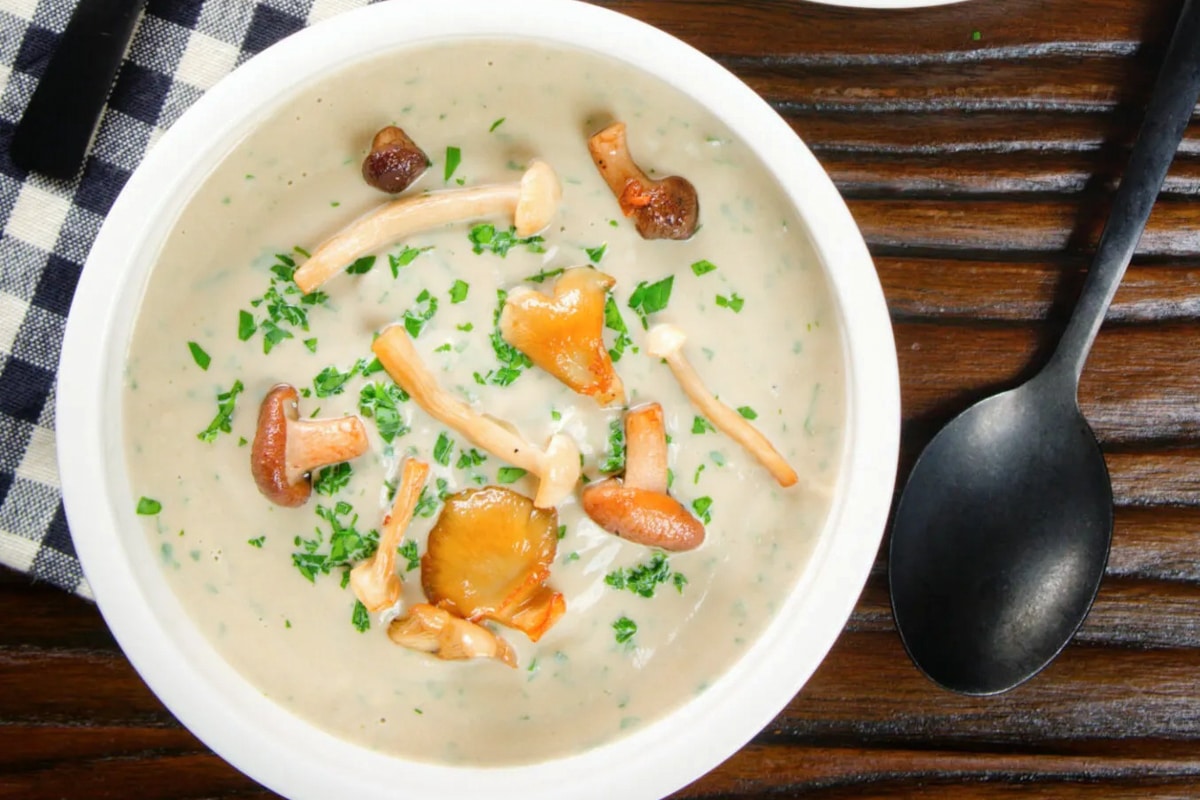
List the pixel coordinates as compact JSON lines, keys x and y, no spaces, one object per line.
{"x":977,"y":146}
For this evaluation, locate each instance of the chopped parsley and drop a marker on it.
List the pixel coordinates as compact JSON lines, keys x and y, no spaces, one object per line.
{"x":734,"y":302}
{"x":223,"y":421}
{"x":702,"y":505}
{"x":279,"y":312}
{"x":408,"y":551}
{"x":458,"y":292}
{"x":596,"y":253}
{"x":543,"y":274}
{"x":680,"y":581}
{"x":644,"y":579}
{"x":443,"y":448}
{"x":453,"y":159}
{"x":343,"y":547}
{"x":360,"y":618}
{"x":332,"y":479}
{"x":469,"y":458}
{"x":703,"y":267}
{"x":201,"y":358}
{"x":747,"y":412}
{"x":614,"y":460}
{"x":496,"y":124}
{"x":701,"y":425}
{"x":148,"y":507}
{"x":256,"y":541}
{"x":562,"y":531}
{"x":650,"y":298}
{"x":361,"y":266}
{"x":331,"y":381}
{"x":484,"y":236}
{"x":696,"y":477}
{"x":509,"y":474}
{"x":403,"y":258}
{"x":416,"y":318}
{"x":311,"y":344}
{"x":624,"y":628}
{"x":512,"y":361}
{"x":427,"y":503}
{"x":380,"y":401}
{"x":614,"y":322}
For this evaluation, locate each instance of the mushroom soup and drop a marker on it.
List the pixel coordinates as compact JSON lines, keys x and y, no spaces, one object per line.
{"x":642,"y":630}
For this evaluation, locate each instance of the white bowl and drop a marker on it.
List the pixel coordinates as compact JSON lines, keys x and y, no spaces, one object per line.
{"x":279,"y":749}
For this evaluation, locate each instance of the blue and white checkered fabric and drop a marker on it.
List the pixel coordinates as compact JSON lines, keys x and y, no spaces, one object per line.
{"x":180,"y":49}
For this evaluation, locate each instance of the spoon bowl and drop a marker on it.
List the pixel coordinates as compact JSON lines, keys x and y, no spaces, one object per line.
{"x":1017,"y":488}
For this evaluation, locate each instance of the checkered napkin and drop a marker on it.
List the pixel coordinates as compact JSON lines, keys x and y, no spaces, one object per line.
{"x":180,"y":49}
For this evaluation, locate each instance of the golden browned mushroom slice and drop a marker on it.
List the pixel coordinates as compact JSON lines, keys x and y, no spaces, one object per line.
{"x":564,"y":334}
{"x":661,"y":209}
{"x":394,"y":162}
{"x":666,"y":342}
{"x":374,"y":580}
{"x":435,"y":630}
{"x":286,"y":448}
{"x":556,"y":467}
{"x":532,"y":203}
{"x":638,"y":507}
{"x":488,"y":557}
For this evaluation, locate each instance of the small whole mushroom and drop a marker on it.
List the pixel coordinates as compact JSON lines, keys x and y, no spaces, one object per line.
{"x":288,"y":449}
{"x":395,"y":162}
{"x":661,"y":209}
{"x":638,"y":507}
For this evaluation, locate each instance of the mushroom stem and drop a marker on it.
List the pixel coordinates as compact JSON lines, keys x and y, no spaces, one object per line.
{"x":646,"y":449}
{"x":557,"y":466}
{"x":434,"y":630}
{"x":661,"y":209}
{"x":531,"y":203}
{"x":316,"y":443}
{"x":374,"y":580}
{"x":666,"y":342}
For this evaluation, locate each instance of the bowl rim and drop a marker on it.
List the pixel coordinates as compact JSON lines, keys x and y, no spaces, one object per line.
{"x":220,"y":707}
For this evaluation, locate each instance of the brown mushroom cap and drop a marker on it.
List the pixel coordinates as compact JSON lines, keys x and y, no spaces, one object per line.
{"x":650,"y":518}
{"x":661,"y":209}
{"x":286,"y":448}
{"x":395,"y":162}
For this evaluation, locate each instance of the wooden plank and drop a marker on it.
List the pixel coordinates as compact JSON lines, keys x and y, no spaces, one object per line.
{"x":1139,"y":384}
{"x":1004,"y":226}
{"x":180,"y":777}
{"x":943,"y":290}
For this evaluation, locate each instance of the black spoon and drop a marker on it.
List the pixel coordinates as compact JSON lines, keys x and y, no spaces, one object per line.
{"x":56,"y":130}
{"x":1002,"y":533}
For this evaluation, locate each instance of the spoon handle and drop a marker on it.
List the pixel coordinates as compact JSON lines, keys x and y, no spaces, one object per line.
{"x":1171,"y":105}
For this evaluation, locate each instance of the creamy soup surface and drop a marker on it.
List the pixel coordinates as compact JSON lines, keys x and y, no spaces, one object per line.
{"x":762,"y":332}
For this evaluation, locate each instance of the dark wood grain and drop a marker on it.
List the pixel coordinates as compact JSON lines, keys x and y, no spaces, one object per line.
{"x":980,"y":169}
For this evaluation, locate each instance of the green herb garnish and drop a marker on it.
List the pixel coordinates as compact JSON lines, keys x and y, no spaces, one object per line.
{"x":701,"y":425}
{"x":361,"y":266}
{"x":256,"y":541}
{"x":543,"y":274}
{"x":416,"y":317}
{"x":380,"y":401}
{"x":246,"y":325}
{"x":703,"y":267}
{"x":343,"y":547}
{"x":403,"y":258}
{"x":453,"y":159}
{"x":201,"y":358}
{"x":615,"y":322}
{"x":360,"y":618}
{"x":734,"y":302}
{"x":509,"y":474}
{"x":512,"y":361}
{"x":643,"y":579}
{"x":747,"y":412}
{"x":650,"y":298}
{"x":614,"y":460}
{"x":458,"y":292}
{"x":442,"y":449}
{"x":332,"y":479}
{"x":223,"y":421}
{"x":702,"y":505}
{"x":485,"y":237}
{"x":496,"y":124}
{"x":148,"y":507}
{"x":408,"y":551}
{"x":331,"y":381}
{"x":596,"y":253}
{"x":625,"y":628}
